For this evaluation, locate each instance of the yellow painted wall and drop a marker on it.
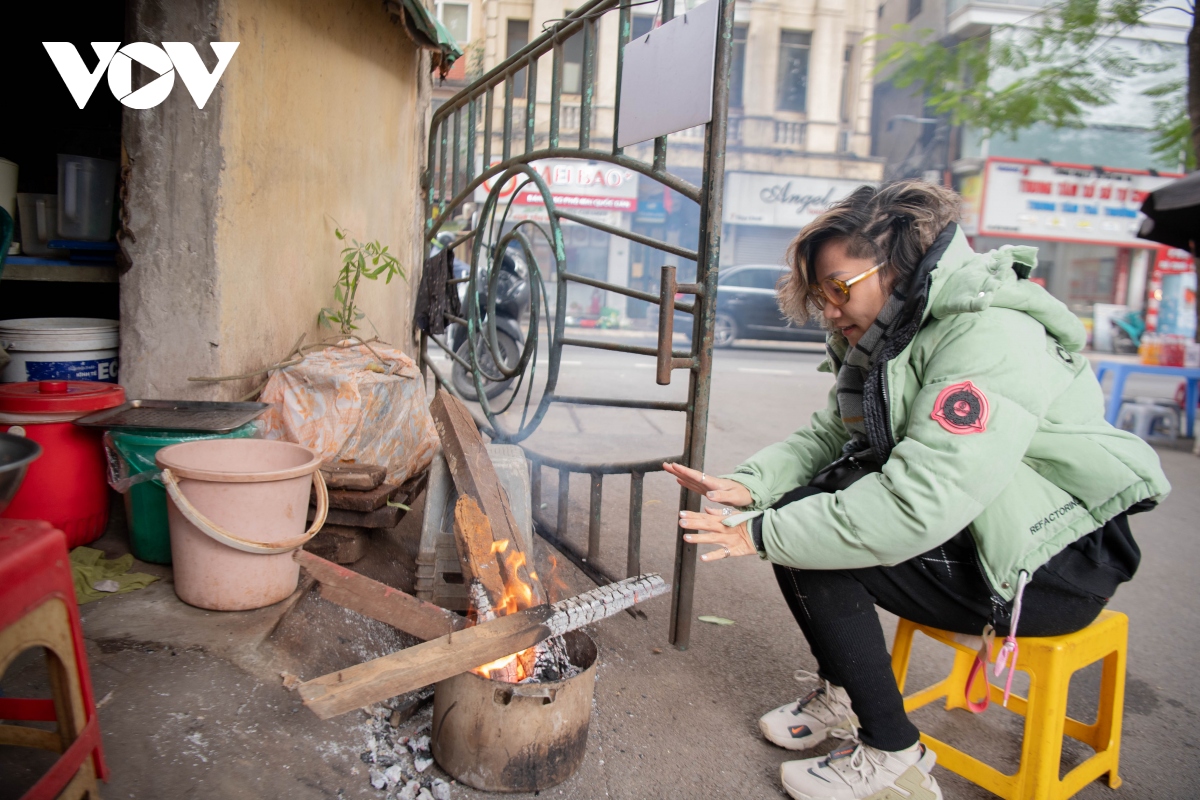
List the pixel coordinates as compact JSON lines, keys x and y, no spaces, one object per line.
{"x":323,"y":118}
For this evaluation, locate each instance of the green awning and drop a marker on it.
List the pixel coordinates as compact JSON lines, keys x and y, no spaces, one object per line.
{"x":424,"y":28}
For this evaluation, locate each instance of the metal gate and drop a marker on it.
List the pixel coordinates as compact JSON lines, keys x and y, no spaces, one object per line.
{"x":493,"y":131}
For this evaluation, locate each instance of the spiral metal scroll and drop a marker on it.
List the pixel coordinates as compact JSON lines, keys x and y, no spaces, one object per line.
{"x":490,"y":242}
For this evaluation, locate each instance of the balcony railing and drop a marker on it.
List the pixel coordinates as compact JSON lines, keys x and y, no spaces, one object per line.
{"x":790,"y":135}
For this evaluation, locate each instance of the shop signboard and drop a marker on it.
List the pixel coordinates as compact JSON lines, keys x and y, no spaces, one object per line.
{"x":575,"y":185}
{"x":1065,"y":202}
{"x":781,"y":201}
{"x":1171,"y":305}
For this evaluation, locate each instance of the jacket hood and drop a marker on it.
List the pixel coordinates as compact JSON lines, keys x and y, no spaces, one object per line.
{"x":966,"y":281}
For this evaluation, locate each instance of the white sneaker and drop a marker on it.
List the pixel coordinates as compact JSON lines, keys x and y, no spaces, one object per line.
{"x":860,"y":772}
{"x":806,"y":723}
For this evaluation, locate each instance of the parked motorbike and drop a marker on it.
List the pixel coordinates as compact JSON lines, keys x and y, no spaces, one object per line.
{"x":512,"y":305}
{"x":1128,"y":330}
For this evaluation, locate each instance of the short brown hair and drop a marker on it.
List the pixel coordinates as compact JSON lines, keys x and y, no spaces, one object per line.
{"x":895,"y":224}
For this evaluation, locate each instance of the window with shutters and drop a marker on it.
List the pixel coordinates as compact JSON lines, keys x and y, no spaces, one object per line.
{"x":792,"y":88}
{"x":518,"y":37}
{"x":573,"y":64}
{"x":456,"y":17}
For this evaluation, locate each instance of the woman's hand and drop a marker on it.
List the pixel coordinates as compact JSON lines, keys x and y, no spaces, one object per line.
{"x":718,"y":490}
{"x":733,"y":540}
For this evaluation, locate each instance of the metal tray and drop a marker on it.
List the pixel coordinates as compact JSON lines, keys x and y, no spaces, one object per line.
{"x":176,"y":415}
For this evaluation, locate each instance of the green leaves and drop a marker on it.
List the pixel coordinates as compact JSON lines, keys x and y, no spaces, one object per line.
{"x":354,"y":270}
{"x":1052,"y":68}
{"x":1173,"y":128}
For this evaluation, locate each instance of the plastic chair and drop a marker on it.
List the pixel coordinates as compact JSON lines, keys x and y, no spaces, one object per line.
{"x":1050,"y":662}
{"x":38,"y":609}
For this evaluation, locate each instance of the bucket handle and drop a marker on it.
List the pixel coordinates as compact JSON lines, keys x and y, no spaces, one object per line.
{"x":210,"y":528}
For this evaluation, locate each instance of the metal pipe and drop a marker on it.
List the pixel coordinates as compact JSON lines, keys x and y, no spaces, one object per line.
{"x":535,"y":484}
{"x":489,"y":112}
{"x":635,"y":293}
{"x":556,"y":78}
{"x":620,"y":348}
{"x":682,"y":252}
{"x":472,"y":110}
{"x":530,"y":103}
{"x":625,"y":29}
{"x":564,"y":499}
{"x":650,"y":405}
{"x":633,"y":552}
{"x":700,"y":384}
{"x":588,"y":81}
{"x":604,"y":468}
{"x":506,"y":145}
{"x":454,"y":156}
{"x":594,"y":509}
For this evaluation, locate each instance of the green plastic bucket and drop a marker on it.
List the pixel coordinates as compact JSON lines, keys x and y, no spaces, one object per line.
{"x":146,"y":502}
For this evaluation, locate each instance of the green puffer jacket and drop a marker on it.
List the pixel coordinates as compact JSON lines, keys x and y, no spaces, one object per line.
{"x":993,"y":422}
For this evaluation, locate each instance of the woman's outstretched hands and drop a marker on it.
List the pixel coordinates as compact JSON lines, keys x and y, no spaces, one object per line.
{"x":718,"y":490}
{"x":732,"y":540}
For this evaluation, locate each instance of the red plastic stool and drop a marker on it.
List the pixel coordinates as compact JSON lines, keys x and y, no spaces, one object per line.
{"x":38,"y":609}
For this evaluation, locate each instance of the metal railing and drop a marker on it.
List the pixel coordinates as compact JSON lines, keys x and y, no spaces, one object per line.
{"x":486,"y":137}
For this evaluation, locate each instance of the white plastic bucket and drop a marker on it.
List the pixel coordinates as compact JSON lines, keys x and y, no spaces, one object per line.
{"x":60,"y":348}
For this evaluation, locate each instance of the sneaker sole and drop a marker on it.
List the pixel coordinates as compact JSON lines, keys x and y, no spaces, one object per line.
{"x":916,"y":784}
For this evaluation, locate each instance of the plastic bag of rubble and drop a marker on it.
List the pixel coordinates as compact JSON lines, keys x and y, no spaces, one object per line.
{"x":354,"y":403}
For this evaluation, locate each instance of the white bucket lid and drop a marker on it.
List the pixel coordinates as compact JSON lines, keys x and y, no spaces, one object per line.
{"x":49,"y":334}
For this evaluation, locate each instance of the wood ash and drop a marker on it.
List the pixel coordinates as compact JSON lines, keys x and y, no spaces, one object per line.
{"x":398,"y":763}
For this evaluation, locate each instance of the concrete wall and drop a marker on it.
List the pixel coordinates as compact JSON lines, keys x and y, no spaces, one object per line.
{"x":319,"y":117}
{"x":171,"y":296}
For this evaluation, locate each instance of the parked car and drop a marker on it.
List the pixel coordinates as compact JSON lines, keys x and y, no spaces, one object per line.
{"x":747,"y":308}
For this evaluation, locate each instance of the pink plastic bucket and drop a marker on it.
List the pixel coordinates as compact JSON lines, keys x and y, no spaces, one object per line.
{"x":237,"y":512}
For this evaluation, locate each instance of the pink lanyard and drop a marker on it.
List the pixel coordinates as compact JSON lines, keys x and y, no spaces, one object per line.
{"x":1005,"y":659}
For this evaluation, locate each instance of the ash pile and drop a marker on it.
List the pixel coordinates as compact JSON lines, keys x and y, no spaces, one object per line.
{"x":399,"y":763}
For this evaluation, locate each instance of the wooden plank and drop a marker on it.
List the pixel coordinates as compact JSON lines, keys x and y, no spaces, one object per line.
{"x":359,"y":477}
{"x":426,"y":663}
{"x":386,"y":517}
{"x":380,"y":601}
{"x":339,"y":544}
{"x":473,"y":537}
{"x":354,"y":500}
{"x":432,"y":661}
{"x":474,"y":476}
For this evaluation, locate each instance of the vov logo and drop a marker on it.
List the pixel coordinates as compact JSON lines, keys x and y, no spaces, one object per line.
{"x":164,"y":61}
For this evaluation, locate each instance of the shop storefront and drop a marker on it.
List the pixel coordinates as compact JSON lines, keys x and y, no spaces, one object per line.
{"x":763,"y":213}
{"x":1082,"y":219}
{"x":600,"y":191}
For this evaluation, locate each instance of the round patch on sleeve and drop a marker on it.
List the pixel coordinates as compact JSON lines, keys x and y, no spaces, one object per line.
{"x":961,"y":408}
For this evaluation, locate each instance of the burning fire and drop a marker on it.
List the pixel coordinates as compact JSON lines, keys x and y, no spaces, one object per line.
{"x":517,"y":595}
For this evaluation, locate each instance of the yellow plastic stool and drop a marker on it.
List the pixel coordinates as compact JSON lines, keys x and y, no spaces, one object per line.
{"x":1050,"y":662}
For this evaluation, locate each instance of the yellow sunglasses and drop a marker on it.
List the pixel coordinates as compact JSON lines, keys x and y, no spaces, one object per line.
{"x":836,"y":290}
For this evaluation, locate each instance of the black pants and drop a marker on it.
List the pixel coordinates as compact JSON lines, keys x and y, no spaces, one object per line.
{"x":944,"y":588}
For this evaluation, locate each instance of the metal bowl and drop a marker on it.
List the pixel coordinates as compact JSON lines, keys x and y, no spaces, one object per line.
{"x":15,"y":454}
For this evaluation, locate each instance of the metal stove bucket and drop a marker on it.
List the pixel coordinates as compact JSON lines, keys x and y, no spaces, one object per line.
{"x":506,"y":737}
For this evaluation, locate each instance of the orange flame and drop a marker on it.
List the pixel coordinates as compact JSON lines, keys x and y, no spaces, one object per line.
{"x":517,"y":595}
